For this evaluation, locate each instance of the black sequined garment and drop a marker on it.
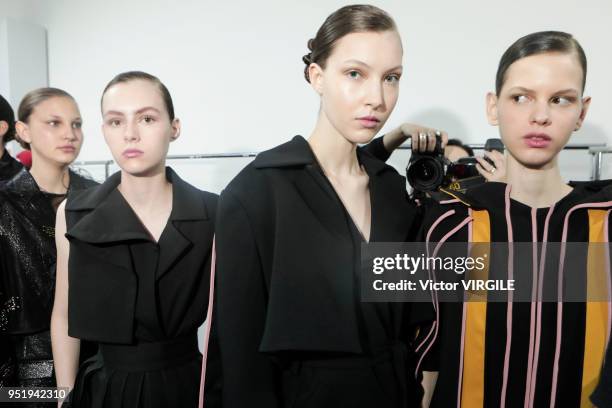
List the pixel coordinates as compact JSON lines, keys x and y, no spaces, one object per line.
{"x":27,"y":279}
{"x":9,"y":167}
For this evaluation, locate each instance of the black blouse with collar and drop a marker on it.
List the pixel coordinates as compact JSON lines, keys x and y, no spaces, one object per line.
{"x":286,"y":266}
{"x":103,"y":286}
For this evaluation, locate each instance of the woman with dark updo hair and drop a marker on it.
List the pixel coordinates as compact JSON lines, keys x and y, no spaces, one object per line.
{"x":292,"y":328}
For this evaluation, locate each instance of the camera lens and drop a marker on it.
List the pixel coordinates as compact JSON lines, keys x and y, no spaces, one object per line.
{"x":425,"y":174}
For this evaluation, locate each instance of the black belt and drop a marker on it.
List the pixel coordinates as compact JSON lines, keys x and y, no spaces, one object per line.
{"x":151,"y":356}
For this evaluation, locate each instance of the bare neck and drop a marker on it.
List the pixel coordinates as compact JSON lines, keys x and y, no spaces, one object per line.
{"x":335,"y":153}
{"x":146,"y":193}
{"x":50,"y":177}
{"x":536,"y":188}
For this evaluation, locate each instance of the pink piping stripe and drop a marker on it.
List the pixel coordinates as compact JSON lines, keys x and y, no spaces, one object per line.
{"x":211,"y":294}
{"x":460,"y":382}
{"x":607,"y":249}
{"x":559,"y":296}
{"x":534,"y":291}
{"x":463,"y":317}
{"x":433,"y":226}
{"x":431,"y":229}
{"x":510,"y":303}
{"x":454,"y":200}
{"x":434,"y":328}
{"x":427,"y":240}
{"x":536,"y":359}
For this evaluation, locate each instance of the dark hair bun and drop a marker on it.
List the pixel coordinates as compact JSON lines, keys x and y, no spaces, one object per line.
{"x":345,"y":20}
{"x":307,"y":59}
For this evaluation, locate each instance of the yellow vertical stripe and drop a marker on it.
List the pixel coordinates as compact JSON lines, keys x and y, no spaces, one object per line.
{"x":596,"y":312}
{"x":472,"y":388}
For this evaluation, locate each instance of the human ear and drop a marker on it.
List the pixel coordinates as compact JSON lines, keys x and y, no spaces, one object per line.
{"x":586,"y":102}
{"x":23,"y":131}
{"x":491,"y":104}
{"x":315,"y":74}
{"x":176,"y":129}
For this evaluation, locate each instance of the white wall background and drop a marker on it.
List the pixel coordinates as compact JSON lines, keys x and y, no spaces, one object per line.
{"x":235,"y":72}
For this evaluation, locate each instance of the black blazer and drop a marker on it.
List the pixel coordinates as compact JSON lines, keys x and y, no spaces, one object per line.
{"x":102,"y":282}
{"x":286,"y":265}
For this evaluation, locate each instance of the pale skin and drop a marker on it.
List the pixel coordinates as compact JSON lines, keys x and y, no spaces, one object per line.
{"x":54,"y":133}
{"x":360,"y":79}
{"x":541,"y":94}
{"x":135,"y":119}
{"x":3,"y":129}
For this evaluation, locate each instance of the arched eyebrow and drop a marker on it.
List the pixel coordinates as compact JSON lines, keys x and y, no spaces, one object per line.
{"x":60,"y":118}
{"x":566,"y":91}
{"x":357,"y":62}
{"x":138,"y":112}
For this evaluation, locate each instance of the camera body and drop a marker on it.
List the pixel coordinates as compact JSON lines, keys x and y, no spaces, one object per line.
{"x":426,"y":171}
{"x":429,"y":171}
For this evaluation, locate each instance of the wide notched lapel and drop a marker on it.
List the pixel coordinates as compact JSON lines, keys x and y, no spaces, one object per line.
{"x":310,"y":183}
{"x":109,"y":223}
{"x":188,"y":222}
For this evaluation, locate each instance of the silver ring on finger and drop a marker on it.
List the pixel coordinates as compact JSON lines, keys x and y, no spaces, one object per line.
{"x":422,"y":140}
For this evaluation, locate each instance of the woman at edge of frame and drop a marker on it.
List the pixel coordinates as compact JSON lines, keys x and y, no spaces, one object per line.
{"x":537,"y":353}
{"x":49,"y":126}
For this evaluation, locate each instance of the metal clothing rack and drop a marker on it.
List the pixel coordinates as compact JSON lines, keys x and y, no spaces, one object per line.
{"x":596,"y":150}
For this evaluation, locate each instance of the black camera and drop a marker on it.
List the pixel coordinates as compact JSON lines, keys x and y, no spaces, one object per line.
{"x":429,"y":171}
{"x":426,"y":171}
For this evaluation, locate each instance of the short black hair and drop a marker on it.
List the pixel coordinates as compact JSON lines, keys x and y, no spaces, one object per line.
{"x":7,"y":115}
{"x":539,"y":43}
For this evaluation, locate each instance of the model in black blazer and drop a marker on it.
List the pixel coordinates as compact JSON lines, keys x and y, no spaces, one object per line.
{"x":286,"y":288}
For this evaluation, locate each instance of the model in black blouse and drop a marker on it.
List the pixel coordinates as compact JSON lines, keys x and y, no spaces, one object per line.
{"x":293,"y":331}
{"x":133,"y":268}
